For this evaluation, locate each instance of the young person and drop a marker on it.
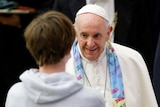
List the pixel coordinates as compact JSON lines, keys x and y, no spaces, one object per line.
{"x":49,"y":38}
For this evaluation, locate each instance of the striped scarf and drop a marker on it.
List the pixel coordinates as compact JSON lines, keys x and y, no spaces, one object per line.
{"x":115,"y":73}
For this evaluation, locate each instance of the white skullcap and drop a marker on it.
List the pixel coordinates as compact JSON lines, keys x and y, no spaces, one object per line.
{"x":95,"y":9}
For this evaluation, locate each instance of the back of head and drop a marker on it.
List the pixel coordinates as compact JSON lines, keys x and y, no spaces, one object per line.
{"x":49,"y":37}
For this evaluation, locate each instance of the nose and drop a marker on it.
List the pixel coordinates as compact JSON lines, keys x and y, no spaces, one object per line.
{"x":90,"y":42}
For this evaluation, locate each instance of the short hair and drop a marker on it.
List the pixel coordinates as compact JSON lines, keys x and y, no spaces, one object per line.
{"x":49,"y":37}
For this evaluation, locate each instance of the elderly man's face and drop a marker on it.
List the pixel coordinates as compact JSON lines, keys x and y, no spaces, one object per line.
{"x":92,"y":34}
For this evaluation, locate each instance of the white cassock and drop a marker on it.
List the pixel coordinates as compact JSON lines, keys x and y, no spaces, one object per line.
{"x":138,"y":89}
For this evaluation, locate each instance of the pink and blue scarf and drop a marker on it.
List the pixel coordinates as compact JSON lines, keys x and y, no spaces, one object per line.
{"x":115,"y":73}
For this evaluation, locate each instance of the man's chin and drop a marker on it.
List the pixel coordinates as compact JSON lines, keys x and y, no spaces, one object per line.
{"x":91,"y":57}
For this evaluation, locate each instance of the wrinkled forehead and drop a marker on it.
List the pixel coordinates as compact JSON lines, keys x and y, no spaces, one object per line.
{"x":90,"y":24}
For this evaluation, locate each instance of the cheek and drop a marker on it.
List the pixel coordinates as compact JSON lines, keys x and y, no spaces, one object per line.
{"x":82,"y":42}
{"x":102,"y":43}
{"x":108,"y":35}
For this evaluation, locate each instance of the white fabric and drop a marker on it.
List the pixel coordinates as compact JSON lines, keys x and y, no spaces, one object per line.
{"x":137,"y":84}
{"x":95,"y":9}
{"x":51,"y":90}
{"x":109,"y":6}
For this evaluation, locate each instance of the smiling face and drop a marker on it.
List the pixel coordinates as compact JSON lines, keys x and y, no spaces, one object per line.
{"x":92,"y":34}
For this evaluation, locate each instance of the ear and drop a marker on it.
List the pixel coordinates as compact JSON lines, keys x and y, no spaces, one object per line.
{"x":109,"y":30}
